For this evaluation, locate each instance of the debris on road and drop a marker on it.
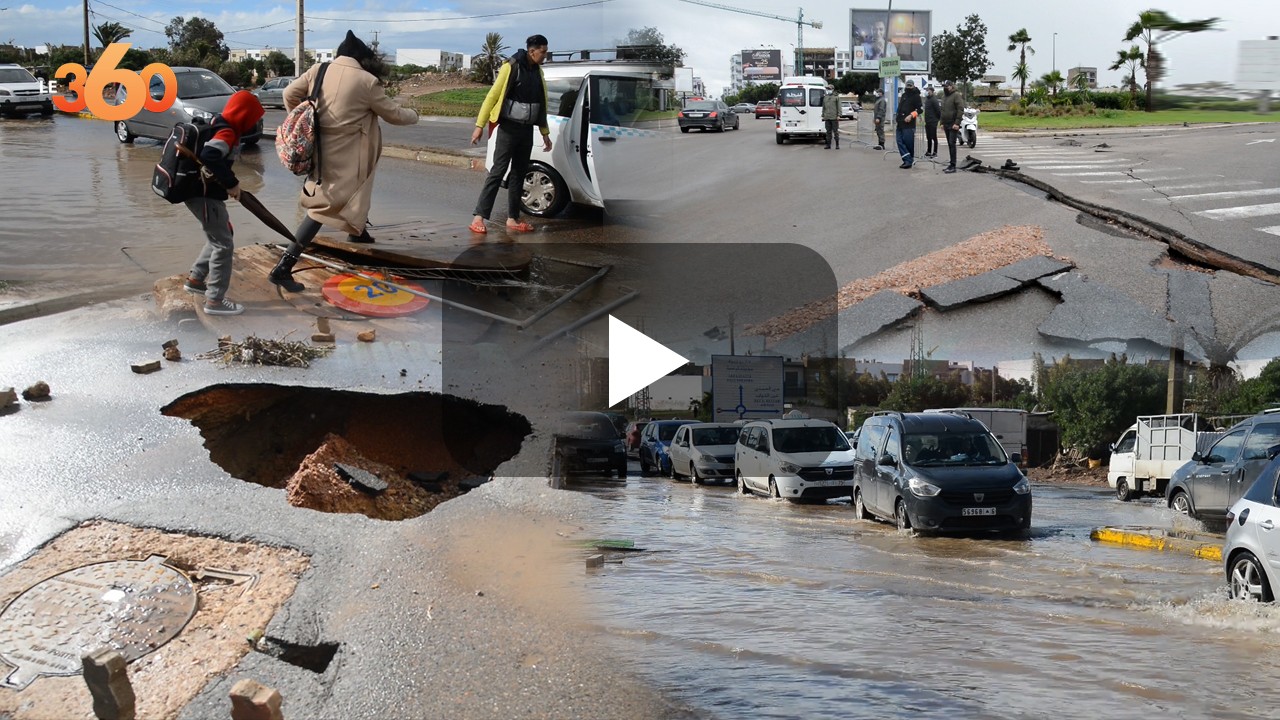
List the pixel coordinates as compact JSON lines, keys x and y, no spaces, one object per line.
{"x":323,"y":338}
{"x":8,"y":396}
{"x":360,"y":479}
{"x":146,"y":367}
{"x":39,"y":391}
{"x":318,"y":485}
{"x":171,"y":351}
{"x":259,"y":351}
{"x":367,"y":336}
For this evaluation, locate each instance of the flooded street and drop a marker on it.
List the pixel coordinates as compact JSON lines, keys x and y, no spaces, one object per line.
{"x":759,"y":608}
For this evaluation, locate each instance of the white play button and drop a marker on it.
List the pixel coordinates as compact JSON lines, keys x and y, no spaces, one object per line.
{"x":635,"y":360}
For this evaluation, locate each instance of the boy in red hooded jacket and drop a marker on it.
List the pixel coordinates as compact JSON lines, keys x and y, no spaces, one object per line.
{"x":211,"y":274}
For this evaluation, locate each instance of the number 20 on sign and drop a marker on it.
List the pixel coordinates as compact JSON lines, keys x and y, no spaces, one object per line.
{"x":88,"y":86}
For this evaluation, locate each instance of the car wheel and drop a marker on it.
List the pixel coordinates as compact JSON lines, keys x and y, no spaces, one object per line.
{"x":900,"y":514}
{"x":720,"y":127}
{"x":122,"y":132}
{"x":778,"y":138}
{"x":1181,"y":503}
{"x":684,"y":130}
{"x":621,"y":470}
{"x":742,"y":485}
{"x":545,"y":193}
{"x":1123,"y":493}
{"x":860,"y":508}
{"x":645,"y":470}
{"x":773,"y":488}
{"x":47,"y":110}
{"x":1247,"y":579}
{"x":693,"y":475}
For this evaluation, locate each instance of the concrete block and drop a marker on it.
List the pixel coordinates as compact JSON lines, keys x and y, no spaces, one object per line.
{"x":148,"y":366}
{"x":251,"y":700}
{"x":322,"y":326}
{"x":172,"y":354}
{"x":105,"y":674}
{"x":595,"y":561}
{"x":169,"y":344}
{"x":323,"y":338}
{"x":8,"y":396}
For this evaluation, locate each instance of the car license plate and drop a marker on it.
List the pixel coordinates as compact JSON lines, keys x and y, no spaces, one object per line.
{"x":597,"y":460}
{"x":967,"y":512}
{"x":828,"y":483}
{"x":693,"y":115}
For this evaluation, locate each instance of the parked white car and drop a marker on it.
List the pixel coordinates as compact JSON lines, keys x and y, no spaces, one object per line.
{"x":1251,"y":554}
{"x":704,"y":452}
{"x":794,"y":459}
{"x":22,"y":94}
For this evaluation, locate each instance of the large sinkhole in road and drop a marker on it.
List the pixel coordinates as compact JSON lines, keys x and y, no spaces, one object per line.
{"x":426,"y":447}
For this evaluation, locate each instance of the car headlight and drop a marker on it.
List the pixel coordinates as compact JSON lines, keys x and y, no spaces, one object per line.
{"x":920,"y":488}
{"x":5,"y":93}
{"x":789,"y":468}
{"x":202,"y":115}
{"x":619,"y":447}
{"x":707,"y":458}
{"x":1023,"y":487}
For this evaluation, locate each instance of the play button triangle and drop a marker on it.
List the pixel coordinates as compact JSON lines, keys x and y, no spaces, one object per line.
{"x":635,"y":360}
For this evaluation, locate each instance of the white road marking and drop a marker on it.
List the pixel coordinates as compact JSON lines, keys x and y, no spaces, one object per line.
{"x":1274,"y":230}
{"x":1256,"y":192}
{"x":1191,"y":186}
{"x":1242,"y":211}
{"x":1115,"y":172}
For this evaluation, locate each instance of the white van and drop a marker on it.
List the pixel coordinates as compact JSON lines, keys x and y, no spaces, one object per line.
{"x":800,"y":109}
{"x":604,"y":152}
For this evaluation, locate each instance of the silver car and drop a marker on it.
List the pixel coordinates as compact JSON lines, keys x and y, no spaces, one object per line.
{"x":201,"y":95}
{"x":1207,"y":486}
{"x":271,"y":94}
{"x":704,"y":452}
{"x":1251,"y":554}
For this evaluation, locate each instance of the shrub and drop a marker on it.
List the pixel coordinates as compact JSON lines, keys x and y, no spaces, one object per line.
{"x":1112,"y":100}
{"x":1018,"y":109}
{"x":1093,"y":405}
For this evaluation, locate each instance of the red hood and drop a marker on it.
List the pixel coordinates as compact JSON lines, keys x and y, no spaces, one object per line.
{"x":242,"y":112}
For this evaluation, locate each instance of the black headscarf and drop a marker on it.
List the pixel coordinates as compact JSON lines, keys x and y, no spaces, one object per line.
{"x":354,"y":48}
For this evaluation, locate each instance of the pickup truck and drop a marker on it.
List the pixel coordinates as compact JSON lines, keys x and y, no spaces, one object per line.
{"x":1145,"y":456}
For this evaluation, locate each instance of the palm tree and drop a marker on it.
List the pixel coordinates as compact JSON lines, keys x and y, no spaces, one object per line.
{"x":1021,"y":41}
{"x":492,"y":53}
{"x":1157,"y":26}
{"x":1052,"y":80}
{"x":1131,"y":59}
{"x":110,"y":32}
{"x":1022,"y":73}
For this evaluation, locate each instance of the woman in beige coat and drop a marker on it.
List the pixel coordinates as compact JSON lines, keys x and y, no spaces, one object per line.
{"x":339,"y":191}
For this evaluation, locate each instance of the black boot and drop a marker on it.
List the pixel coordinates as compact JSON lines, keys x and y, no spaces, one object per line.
{"x":282,"y":273}
{"x":363,"y":237}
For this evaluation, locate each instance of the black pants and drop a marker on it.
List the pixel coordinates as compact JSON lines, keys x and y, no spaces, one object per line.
{"x":931,"y":138}
{"x":880,"y":134}
{"x":952,"y":137}
{"x":513,"y":147}
{"x":833,"y":130}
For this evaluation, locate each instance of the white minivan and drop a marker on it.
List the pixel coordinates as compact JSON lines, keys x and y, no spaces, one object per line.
{"x":794,"y":459}
{"x":800,"y":109}
{"x":604,"y":152}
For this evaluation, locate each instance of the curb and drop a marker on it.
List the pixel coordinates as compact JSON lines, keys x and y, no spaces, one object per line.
{"x":1162,"y":540}
{"x":435,"y":156}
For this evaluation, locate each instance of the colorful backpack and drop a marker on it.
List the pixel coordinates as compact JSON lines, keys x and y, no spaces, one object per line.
{"x":298,"y":137}
{"x":177,"y":175}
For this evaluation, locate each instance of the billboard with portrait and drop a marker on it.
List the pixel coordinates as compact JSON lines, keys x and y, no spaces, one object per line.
{"x":762,"y":66}
{"x":903,"y":33}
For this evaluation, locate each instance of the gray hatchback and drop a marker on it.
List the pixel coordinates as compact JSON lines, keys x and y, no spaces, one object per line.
{"x":1208,"y":485}
{"x":201,"y":95}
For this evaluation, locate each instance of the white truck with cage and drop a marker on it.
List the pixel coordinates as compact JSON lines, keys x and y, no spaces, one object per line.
{"x":1145,"y":456}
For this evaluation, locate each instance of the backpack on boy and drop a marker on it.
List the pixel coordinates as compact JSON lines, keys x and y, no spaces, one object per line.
{"x":177,"y":175}
{"x":298,"y":137}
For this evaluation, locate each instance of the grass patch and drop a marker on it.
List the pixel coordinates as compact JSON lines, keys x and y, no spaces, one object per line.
{"x":4,"y":286}
{"x":453,"y":103}
{"x":1118,"y":118}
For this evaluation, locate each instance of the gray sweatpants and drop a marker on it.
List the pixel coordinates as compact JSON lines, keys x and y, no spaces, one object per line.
{"x":214,"y":262}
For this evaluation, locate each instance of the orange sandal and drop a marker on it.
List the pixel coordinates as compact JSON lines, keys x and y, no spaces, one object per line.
{"x":477,"y":226}
{"x":520,"y":227}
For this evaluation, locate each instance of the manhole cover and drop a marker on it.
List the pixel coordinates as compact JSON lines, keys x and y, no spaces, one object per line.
{"x":130,"y":606}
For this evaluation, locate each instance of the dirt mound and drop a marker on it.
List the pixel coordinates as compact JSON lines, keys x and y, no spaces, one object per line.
{"x":317,"y":485}
{"x":1069,"y":474}
{"x":427,"y":83}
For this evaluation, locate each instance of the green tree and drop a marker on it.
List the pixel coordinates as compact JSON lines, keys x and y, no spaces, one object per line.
{"x":110,"y":32}
{"x":492,"y":54}
{"x":197,"y":41}
{"x":1021,"y":42}
{"x":962,"y":55}
{"x":277,"y":63}
{"x":1080,"y":83}
{"x":647,"y":43}
{"x":915,"y":394}
{"x":1130,"y":60}
{"x":1052,"y":80}
{"x":1093,"y":405}
{"x":1154,"y":27}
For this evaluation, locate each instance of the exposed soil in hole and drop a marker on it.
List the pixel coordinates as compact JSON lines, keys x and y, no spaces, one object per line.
{"x":315,"y":658}
{"x":210,"y":644}
{"x":290,"y":437}
{"x":1174,"y":260}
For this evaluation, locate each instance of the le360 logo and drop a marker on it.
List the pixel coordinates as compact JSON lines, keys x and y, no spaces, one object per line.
{"x":88,"y":86}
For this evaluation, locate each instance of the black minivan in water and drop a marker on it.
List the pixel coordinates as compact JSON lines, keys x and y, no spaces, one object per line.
{"x":938,"y":472}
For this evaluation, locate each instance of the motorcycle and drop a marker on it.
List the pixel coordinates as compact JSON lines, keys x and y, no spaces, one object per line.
{"x":969,"y":127}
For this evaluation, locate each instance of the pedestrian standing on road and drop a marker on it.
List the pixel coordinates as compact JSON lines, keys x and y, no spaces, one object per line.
{"x":211,"y":274}
{"x":831,"y":116}
{"x":516,"y":104}
{"x":339,"y":190}
{"x":950,"y":114}
{"x":880,"y":113}
{"x":909,"y":108}
{"x":932,"y":109}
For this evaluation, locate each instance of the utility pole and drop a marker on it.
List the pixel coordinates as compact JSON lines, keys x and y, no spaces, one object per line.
{"x":86,"y":33}
{"x":299,"y":51}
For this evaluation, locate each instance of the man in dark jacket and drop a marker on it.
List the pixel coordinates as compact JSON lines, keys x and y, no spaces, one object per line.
{"x":881,"y":111}
{"x":210,"y":276}
{"x":909,"y":108}
{"x":831,"y":116}
{"x":950,"y":114}
{"x":932,"y":107}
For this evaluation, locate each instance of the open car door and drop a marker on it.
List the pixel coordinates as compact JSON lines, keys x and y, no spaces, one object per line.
{"x":626,"y":155}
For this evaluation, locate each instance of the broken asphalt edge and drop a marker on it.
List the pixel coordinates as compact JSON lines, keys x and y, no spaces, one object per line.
{"x":1152,"y":539}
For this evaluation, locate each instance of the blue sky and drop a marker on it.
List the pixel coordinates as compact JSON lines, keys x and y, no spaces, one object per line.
{"x":1088,"y":32}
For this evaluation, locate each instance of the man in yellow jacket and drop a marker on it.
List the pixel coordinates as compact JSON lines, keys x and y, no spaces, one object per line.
{"x":515,"y":104}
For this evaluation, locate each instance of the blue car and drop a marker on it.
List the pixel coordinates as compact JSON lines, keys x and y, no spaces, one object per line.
{"x":654,"y":441}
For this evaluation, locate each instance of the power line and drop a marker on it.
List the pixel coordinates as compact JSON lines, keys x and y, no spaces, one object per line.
{"x":130,"y":12}
{"x":467,"y":17}
{"x":260,"y":27}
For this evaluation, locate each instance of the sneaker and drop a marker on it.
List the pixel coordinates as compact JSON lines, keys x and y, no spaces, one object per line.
{"x":905,"y":166}
{"x":194,"y":285}
{"x":223,"y":307}
{"x":878,"y":147}
{"x":950,"y":169}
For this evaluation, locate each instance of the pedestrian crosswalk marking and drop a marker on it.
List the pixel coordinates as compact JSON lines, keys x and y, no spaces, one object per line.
{"x":1242,"y":211}
{"x":1220,"y":182}
{"x":1115,"y":172}
{"x":1090,"y":166}
{"x":1225,"y":195}
{"x":1274,"y":230}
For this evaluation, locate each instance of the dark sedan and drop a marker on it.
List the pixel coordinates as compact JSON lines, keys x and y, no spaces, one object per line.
{"x":588,"y":442}
{"x":707,"y":115}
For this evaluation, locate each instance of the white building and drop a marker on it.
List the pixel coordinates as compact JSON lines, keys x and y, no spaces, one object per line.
{"x":442,"y":59}
{"x":844,"y":62}
{"x":313,"y":55}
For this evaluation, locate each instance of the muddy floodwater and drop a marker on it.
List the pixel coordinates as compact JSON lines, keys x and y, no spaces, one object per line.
{"x":757,"y":608}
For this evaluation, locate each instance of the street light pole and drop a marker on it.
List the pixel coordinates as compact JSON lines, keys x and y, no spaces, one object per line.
{"x":1055,"y":52}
